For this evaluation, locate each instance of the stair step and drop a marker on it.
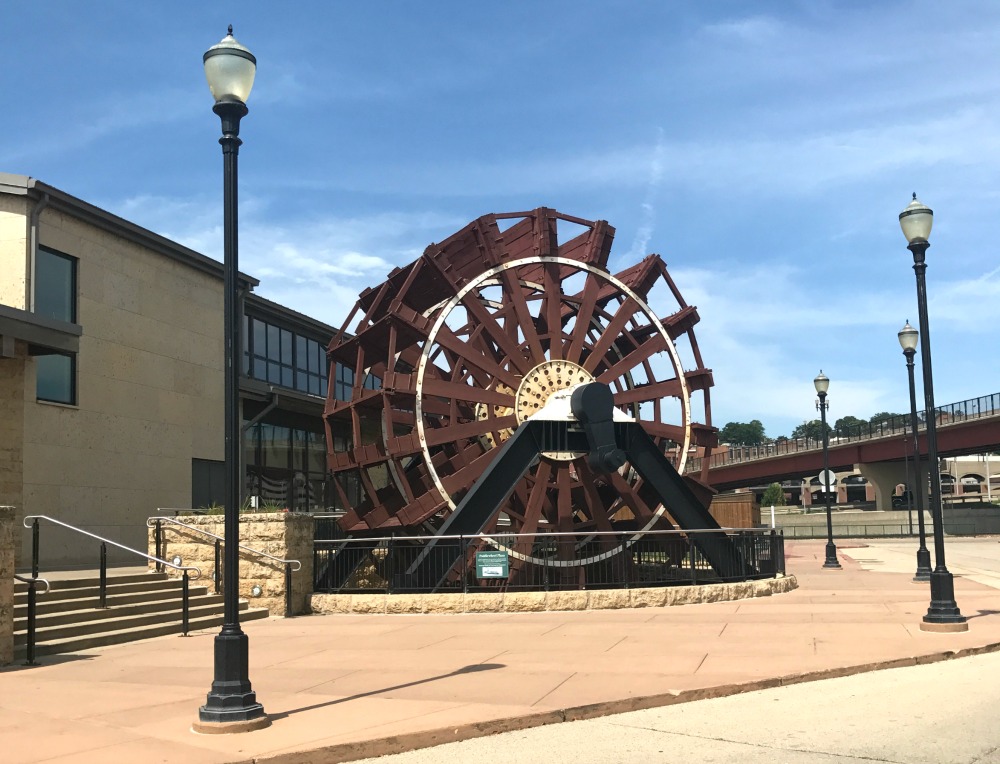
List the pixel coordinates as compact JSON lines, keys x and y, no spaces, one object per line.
{"x":92,"y":590}
{"x":46,"y":617}
{"x":47,"y":606}
{"x":73,"y":644}
{"x":119,"y":622}
{"x":92,"y":580}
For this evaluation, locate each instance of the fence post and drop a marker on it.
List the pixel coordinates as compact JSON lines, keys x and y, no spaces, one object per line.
{"x":32,"y":605}
{"x":158,"y":534}
{"x":218,"y":558}
{"x":34,"y":548}
{"x":691,"y":553}
{"x":184,"y":605}
{"x":288,"y":590}
{"x":104,"y":577}
{"x":463,"y":546}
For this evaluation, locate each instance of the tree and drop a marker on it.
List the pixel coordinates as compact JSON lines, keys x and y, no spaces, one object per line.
{"x":813,"y":430}
{"x":847,"y":424}
{"x":743,"y":433}
{"x":882,"y":416}
{"x":774,"y":496}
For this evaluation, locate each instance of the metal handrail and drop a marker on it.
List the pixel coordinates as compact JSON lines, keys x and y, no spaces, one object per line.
{"x":103,"y":540}
{"x":29,"y":581}
{"x":152,"y":521}
{"x":29,"y":642}
{"x":636,"y":535}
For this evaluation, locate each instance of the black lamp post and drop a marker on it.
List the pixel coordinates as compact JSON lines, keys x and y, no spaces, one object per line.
{"x":231,"y":705}
{"x":943,"y":614}
{"x":822,"y":384}
{"x":908,"y":337}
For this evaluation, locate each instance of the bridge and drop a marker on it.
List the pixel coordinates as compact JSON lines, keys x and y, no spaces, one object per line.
{"x":879,"y":450}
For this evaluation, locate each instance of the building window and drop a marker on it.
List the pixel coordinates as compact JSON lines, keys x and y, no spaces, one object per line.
{"x":281,"y":357}
{"x":55,"y":378}
{"x":55,"y":285}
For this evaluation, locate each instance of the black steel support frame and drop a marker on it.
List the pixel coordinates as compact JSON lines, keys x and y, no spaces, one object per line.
{"x":831,"y":548}
{"x":918,"y":491}
{"x":608,"y":444}
{"x":231,"y":698}
{"x":943,"y":608}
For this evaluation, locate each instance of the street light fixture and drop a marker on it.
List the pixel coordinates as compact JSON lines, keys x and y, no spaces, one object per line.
{"x":231,"y":705}
{"x":822,"y":384}
{"x":943,"y":614}
{"x":908,"y":338}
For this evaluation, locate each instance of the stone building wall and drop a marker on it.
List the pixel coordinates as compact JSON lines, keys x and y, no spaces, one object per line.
{"x":150,"y":394}
{"x":284,"y":535}
{"x":12,"y":431}
{"x":6,"y":585}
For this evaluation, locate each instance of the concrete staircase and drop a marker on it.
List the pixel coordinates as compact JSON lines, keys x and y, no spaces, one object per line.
{"x":139,"y":606}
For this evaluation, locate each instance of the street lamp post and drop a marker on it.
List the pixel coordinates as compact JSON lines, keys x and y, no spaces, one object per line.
{"x":822,"y":384}
{"x":908,"y":337}
{"x":231,"y":705}
{"x":943,"y":614}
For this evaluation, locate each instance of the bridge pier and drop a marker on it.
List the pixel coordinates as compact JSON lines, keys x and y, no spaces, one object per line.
{"x":885,"y":476}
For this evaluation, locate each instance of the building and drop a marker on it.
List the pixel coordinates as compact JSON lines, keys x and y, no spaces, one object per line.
{"x":111,"y":378}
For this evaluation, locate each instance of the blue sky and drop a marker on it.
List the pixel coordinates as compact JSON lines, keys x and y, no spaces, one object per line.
{"x":763,"y":149}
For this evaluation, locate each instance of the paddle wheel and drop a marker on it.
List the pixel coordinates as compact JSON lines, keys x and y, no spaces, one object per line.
{"x":455,"y":350}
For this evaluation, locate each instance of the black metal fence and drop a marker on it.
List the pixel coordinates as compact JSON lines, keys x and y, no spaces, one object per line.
{"x":544,"y":561}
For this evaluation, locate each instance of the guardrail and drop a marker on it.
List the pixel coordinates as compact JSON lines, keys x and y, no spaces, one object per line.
{"x":953,"y":413}
{"x":543,"y":561}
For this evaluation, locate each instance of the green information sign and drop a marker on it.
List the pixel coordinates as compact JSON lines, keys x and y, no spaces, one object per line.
{"x":492,"y":565}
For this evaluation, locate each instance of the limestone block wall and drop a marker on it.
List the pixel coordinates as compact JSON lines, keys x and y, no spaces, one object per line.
{"x":12,"y":428}
{"x":284,"y":535}
{"x":6,"y":585}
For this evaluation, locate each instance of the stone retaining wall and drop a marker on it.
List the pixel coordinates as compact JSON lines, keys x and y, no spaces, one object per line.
{"x":522,"y":602}
{"x":6,"y":585}
{"x":284,"y":535}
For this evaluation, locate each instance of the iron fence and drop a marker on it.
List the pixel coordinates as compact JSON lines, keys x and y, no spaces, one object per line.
{"x":545,"y":561}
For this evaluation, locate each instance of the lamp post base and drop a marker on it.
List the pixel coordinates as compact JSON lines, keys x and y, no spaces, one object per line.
{"x":943,"y":613}
{"x":923,"y":573}
{"x":831,"y":557}
{"x":231,"y":705}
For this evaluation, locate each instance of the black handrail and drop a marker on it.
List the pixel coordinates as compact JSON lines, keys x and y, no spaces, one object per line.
{"x":103,"y":589}
{"x":32,"y":582}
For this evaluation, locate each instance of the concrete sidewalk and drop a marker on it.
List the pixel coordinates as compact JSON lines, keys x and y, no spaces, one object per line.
{"x":345,"y":687}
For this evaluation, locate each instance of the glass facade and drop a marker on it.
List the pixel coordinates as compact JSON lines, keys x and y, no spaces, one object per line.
{"x":285,"y":460}
{"x":286,"y":466}
{"x":281,"y":357}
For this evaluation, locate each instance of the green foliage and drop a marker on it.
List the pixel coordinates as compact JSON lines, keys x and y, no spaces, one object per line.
{"x":846,"y":424}
{"x":743,"y":433}
{"x":882,"y":416}
{"x":813,"y":430}
{"x":774,"y":495}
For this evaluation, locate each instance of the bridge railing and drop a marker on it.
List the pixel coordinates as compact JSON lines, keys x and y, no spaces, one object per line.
{"x":950,"y":414}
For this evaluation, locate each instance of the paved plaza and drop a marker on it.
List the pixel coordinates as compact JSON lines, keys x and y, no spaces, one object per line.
{"x":340,"y":688}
